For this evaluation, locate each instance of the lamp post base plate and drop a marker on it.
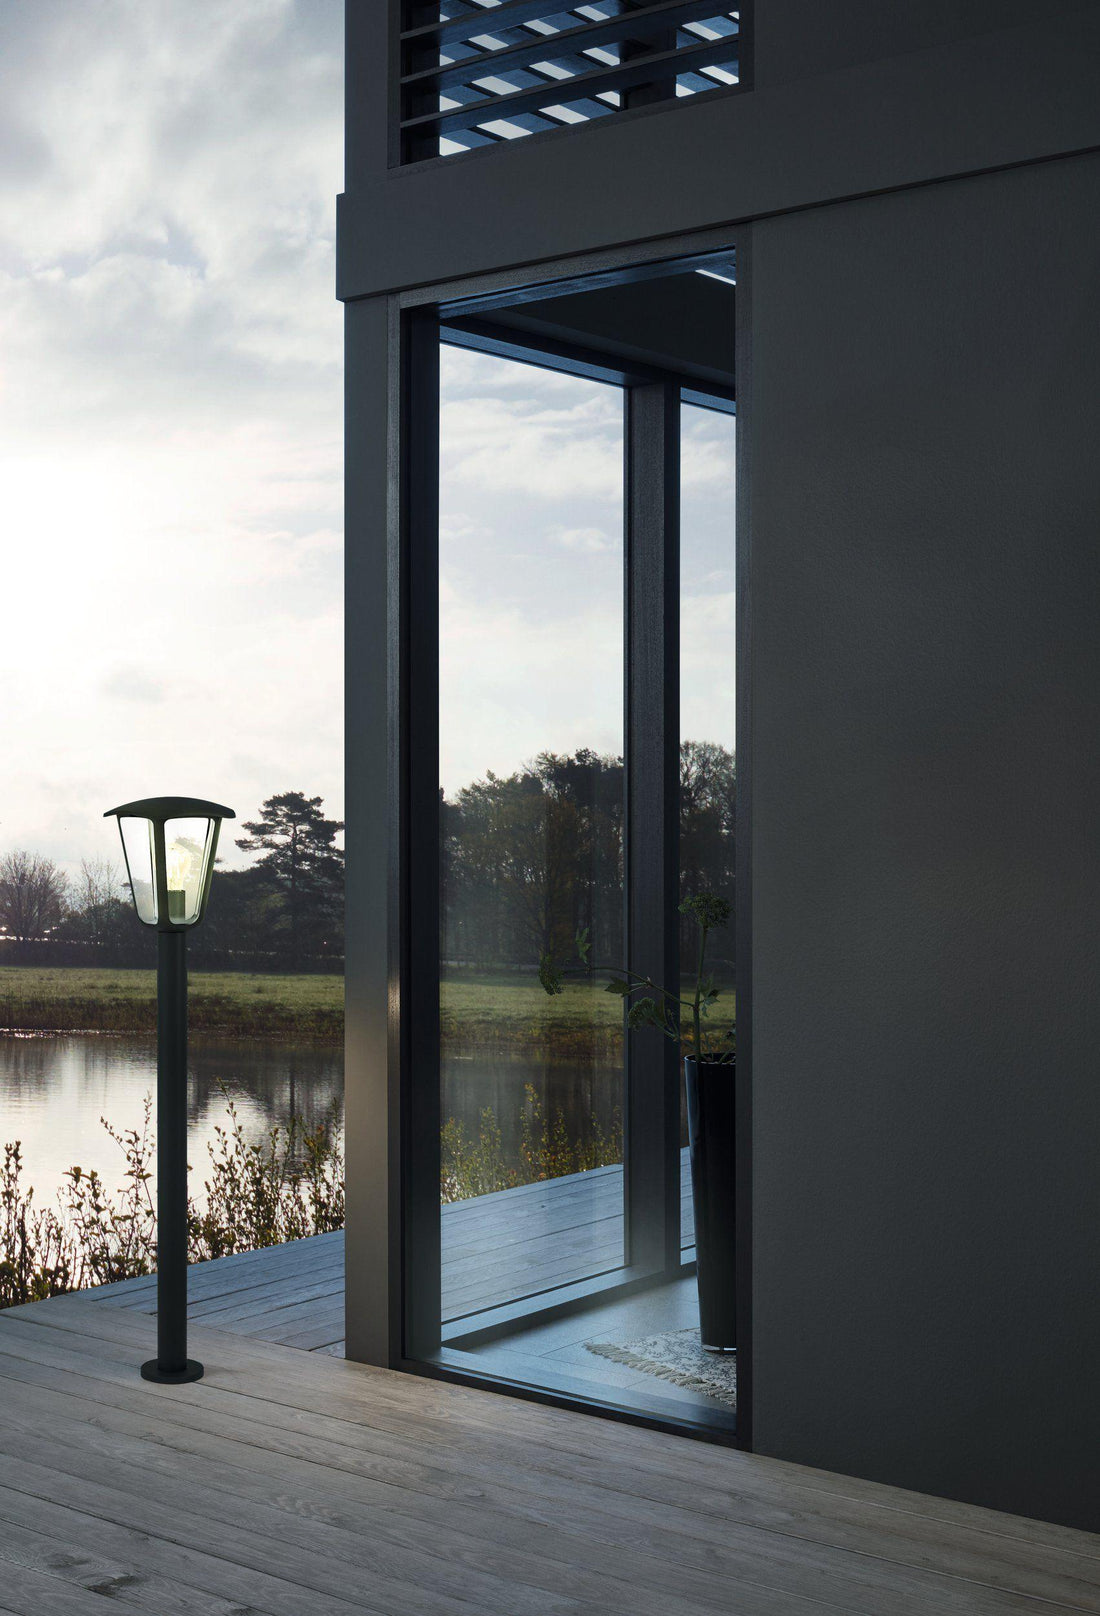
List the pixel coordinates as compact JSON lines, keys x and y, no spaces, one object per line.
{"x":171,"y":1377}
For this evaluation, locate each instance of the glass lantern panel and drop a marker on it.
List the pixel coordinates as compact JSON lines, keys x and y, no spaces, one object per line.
{"x":137,"y":845}
{"x":187,"y":844}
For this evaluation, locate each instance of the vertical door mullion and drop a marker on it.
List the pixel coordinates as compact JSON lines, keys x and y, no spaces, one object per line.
{"x":652,"y":1113}
{"x":743,"y":1093}
{"x":419,"y":881}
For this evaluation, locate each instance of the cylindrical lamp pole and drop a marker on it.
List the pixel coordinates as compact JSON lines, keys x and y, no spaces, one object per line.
{"x":171,"y":1362}
{"x":170,"y":844}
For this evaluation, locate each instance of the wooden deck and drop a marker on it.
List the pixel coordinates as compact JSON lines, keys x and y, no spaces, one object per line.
{"x":518,"y":1242}
{"x":296,"y":1484}
{"x":495,"y":1248}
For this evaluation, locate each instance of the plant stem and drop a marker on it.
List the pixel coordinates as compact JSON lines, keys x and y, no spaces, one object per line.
{"x":696,"y":1019}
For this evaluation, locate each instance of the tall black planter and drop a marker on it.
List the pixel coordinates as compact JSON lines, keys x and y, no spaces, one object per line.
{"x":710,"y":1097}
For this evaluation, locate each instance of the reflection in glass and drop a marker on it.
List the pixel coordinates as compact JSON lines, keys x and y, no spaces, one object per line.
{"x":186,"y":844}
{"x":707,"y":697}
{"x":531,"y":682}
{"x":138,"y":848}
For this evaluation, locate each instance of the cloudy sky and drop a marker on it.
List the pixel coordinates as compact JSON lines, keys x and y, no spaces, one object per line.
{"x":170,"y":446}
{"x":170,"y":454}
{"x":531,"y":557}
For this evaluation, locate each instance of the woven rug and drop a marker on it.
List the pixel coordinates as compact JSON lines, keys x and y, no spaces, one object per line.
{"x":677,"y":1356}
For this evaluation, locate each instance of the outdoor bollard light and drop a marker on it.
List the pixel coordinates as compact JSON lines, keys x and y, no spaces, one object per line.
{"x":169,"y":845}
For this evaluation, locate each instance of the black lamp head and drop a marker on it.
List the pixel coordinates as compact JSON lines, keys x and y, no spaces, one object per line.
{"x":169,"y":844}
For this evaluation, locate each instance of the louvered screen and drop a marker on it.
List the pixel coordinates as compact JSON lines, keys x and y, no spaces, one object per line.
{"x":476,"y":72}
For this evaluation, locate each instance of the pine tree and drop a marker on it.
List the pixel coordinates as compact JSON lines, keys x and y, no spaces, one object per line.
{"x":298,"y":853}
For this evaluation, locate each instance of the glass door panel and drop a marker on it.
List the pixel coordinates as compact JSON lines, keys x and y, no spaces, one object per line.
{"x":531,"y":801}
{"x":707,"y":710}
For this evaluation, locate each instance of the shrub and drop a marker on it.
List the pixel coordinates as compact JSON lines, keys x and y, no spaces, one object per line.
{"x":479,"y":1166}
{"x":288,"y":1187}
{"x":36,"y":1251}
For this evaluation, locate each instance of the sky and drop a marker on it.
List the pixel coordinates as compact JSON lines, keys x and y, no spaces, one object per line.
{"x":170,"y":447}
{"x":531,"y":567}
{"x":170,"y":428}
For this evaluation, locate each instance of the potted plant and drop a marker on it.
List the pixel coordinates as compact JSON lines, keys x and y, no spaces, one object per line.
{"x":709,"y":1072}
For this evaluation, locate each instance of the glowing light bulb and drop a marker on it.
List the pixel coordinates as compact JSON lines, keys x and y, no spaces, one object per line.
{"x":180,"y":860}
{"x":183,"y":860}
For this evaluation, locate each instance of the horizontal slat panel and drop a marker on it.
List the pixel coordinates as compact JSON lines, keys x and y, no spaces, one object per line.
{"x":498,"y":74}
{"x":639,"y":25}
{"x":490,"y":20}
{"x":648,"y":69}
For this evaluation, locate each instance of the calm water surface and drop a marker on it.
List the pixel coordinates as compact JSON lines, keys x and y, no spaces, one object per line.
{"x":584,"y":1095}
{"x":54,"y":1089}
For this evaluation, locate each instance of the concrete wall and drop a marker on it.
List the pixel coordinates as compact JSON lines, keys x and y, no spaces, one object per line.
{"x":925,"y":532}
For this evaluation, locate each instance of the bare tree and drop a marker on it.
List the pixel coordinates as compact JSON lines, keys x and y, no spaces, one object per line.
{"x":97,"y":898}
{"x":32,"y":895}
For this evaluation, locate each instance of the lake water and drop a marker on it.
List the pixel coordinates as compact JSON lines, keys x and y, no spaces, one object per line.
{"x":54,"y":1088}
{"x":583,"y":1094}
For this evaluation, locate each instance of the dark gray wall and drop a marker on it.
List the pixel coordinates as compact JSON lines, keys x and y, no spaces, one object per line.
{"x":853,"y":96}
{"x":797,"y":39}
{"x":924,"y":434}
{"x":921,"y":423}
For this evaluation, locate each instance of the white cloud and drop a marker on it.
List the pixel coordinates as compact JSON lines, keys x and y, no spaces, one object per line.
{"x":512,"y":687}
{"x":170,"y":443}
{"x":130,"y":682}
{"x":531,"y":596}
{"x":170,"y":428}
{"x":588,"y":540}
{"x":706,"y":455}
{"x":519,"y":430}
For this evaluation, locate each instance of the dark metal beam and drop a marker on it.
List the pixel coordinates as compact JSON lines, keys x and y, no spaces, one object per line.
{"x":531,"y":349}
{"x":650,"y":22}
{"x":743,"y":1126}
{"x":647,"y":69}
{"x":486,"y":20}
{"x":416,"y":721}
{"x":372,"y":974}
{"x":652,"y":1112}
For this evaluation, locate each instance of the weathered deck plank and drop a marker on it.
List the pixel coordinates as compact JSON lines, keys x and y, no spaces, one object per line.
{"x":496,"y":1248}
{"x":286,"y":1481}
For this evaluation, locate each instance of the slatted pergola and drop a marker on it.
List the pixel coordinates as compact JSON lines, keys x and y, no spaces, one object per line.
{"x":476,"y":72}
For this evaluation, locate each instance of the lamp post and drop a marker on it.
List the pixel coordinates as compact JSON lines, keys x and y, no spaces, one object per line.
{"x":169,"y":845}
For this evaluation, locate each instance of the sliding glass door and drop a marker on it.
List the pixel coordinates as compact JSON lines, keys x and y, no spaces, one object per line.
{"x":567,"y":729}
{"x":531,"y":671}
{"x":708,"y":677}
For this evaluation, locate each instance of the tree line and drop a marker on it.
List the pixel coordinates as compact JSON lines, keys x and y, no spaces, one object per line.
{"x":531,"y":858}
{"x":287,"y":908}
{"x":528,"y":860}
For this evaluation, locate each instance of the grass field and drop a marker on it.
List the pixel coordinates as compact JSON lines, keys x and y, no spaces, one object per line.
{"x":515,"y":1015}
{"x":506,"y":1015}
{"x":60,"y":999}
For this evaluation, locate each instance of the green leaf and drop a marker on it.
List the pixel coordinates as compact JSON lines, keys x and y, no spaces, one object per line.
{"x":707,"y":909}
{"x":645,"y":1013}
{"x":618,"y":985}
{"x":550,"y":975}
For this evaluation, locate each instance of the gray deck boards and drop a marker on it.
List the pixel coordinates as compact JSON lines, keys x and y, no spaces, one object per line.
{"x":289,"y":1482}
{"x":495,"y":1248}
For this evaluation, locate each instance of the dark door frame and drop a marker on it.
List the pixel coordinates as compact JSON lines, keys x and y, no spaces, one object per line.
{"x":407,"y":1244}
